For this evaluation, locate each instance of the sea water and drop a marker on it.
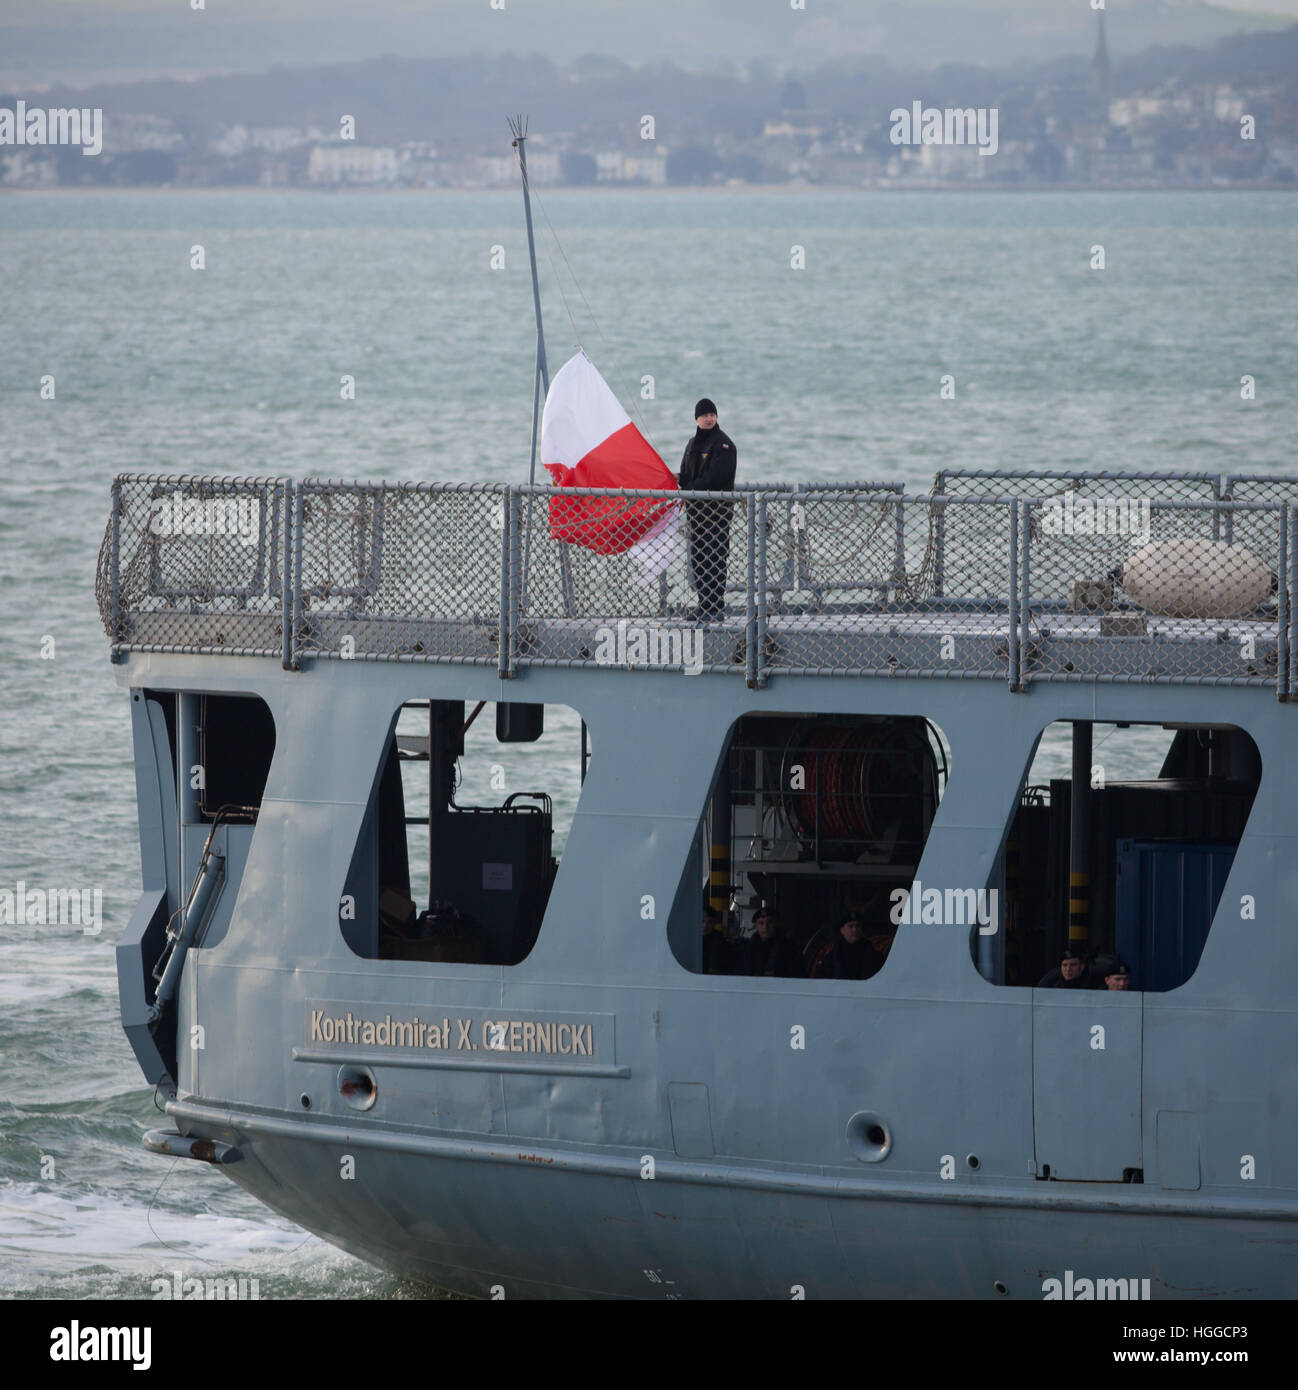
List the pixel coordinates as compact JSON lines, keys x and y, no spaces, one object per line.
{"x":829,"y":371}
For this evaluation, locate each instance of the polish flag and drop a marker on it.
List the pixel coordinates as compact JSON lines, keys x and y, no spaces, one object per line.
{"x":588,"y":440}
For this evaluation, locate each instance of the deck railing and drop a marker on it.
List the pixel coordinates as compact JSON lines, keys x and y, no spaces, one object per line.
{"x":1023,"y":577}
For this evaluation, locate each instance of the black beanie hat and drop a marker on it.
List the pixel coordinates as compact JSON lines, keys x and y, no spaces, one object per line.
{"x":704,"y":407}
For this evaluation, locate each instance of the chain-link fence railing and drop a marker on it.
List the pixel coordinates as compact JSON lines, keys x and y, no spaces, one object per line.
{"x":659,"y":580}
{"x":398,"y":572}
{"x":1079,"y":492}
{"x":1282,"y":491}
{"x":1240,"y":527}
{"x":1151,"y":591}
{"x":990,"y":576}
{"x":849,"y":587}
{"x":195,"y":564}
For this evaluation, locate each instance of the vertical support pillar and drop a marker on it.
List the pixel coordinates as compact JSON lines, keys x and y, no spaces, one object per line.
{"x":505,"y":639}
{"x":899,"y":549}
{"x":1010,"y":921}
{"x":760,"y":639}
{"x":1012,"y":633}
{"x":752,"y":655}
{"x":517,"y":578}
{"x":189,"y":755}
{"x":1025,"y":602}
{"x":286,"y":575}
{"x":114,"y":572}
{"x":1291,"y":523}
{"x":1079,"y":829}
{"x":299,"y":513}
{"x":719,"y":881}
{"x":937,"y":504}
{"x":1284,"y":599}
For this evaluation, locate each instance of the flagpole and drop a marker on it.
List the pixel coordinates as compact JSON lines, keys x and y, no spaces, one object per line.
{"x":541,"y":376}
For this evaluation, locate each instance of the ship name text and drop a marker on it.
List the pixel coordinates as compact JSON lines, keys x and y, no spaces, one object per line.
{"x":454,"y":1034}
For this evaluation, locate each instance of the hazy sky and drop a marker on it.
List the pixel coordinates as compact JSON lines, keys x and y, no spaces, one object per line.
{"x":78,"y":40}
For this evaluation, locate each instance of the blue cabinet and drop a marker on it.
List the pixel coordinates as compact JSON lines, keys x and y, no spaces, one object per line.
{"x":1165,"y":900}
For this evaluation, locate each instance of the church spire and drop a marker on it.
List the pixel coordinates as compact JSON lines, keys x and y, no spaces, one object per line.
{"x":1101,"y":70}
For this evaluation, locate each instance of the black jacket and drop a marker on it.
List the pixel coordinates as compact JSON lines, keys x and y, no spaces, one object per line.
{"x":712,"y":467}
{"x":855,"y":961}
{"x":774,"y":957}
{"x":716,"y":954}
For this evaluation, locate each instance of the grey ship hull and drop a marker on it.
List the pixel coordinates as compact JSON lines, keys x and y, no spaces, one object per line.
{"x":531,"y":1180}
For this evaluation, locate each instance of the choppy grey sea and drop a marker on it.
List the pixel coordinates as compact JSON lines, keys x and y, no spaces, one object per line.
{"x":827,"y":372}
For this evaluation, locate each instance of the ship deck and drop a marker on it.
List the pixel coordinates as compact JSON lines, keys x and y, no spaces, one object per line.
{"x":971,"y":580}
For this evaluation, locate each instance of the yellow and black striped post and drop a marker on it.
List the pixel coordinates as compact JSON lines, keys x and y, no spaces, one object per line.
{"x":719,"y":881}
{"x":1079,"y":835}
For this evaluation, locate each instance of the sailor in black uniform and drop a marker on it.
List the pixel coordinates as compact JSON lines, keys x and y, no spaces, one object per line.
{"x":708,"y":465}
{"x":767,"y":952}
{"x":854,"y":957}
{"x":1070,"y":973}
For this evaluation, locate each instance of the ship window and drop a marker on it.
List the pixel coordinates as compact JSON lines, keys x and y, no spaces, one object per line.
{"x":462,"y":838}
{"x":818,"y":820}
{"x":236,"y":743}
{"x":1159,"y":811}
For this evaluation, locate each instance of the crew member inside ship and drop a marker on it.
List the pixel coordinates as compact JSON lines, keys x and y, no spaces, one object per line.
{"x":716,"y":950}
{"x":767,"y":951}
{"x":854,"y":957}
{"x":708,"y":465}
{"x":1118,"y":976}
{"x":1070,"y":973}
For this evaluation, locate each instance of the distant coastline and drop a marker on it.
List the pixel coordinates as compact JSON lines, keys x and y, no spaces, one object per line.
{"x":627,"y":191}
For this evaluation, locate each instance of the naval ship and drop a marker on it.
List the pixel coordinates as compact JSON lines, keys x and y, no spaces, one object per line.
{"x":544,"y":1079}
{"x":470,"y":1059}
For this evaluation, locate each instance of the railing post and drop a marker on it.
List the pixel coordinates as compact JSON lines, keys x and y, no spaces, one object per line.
{"x":938,"y":505}
{"x":759,"y":637}
{"x":504,"y":637}
{"x":299,"y":511}
{"x":114,"y":570}
{"x":1012,"y":631}
{"x":286,"y":576}
{"x":750,"y":588}
{"x":1025,"y":602}
{"x":515,"y":571}
{"x":899,"y":549}
{"x":1291,"y":583}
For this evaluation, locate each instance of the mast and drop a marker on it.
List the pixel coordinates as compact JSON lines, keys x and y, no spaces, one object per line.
{"x":541,"y":379}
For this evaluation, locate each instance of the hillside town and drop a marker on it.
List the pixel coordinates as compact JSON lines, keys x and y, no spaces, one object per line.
{"x":1220,"y":117}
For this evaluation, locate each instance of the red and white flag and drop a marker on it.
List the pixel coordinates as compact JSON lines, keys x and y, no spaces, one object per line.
{"x":588,"y":440}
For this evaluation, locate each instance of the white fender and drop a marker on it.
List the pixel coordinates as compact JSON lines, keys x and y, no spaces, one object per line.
{"x":1193,"y":577}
